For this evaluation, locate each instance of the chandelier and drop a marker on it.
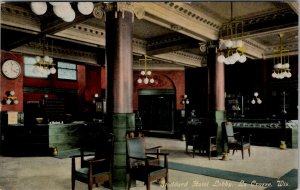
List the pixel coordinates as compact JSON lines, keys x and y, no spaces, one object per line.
{"x":44,"y":65}
{"x":231,"y":50}
{"x":63,"y":10}
{"x":145,"y":74}
{"x":281,"y":68}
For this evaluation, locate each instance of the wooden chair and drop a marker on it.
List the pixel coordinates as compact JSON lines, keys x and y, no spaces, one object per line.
{"x":97,"y":169}
{"x":138,"y":163}
{"x":153,"y":159}
{"x":234,"y":140}
{"x":205,"y":139}
{"x":191,"y":131}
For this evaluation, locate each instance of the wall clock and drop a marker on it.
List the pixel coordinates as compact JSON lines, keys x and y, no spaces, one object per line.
{"x":11,"y":69}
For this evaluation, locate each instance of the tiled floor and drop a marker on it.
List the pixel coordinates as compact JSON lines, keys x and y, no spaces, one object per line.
{"x":48,"y":173}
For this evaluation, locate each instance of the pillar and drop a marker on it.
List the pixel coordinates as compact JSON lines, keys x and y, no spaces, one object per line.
{"x":119,"y":87}
{"x":216,"y":90}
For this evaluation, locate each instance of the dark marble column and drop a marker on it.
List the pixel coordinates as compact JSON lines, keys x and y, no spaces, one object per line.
{"x":216,"y":89}
{"x":119,"y":87}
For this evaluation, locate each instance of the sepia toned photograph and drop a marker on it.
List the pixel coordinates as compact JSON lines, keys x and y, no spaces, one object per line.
{"x":140,"y":95}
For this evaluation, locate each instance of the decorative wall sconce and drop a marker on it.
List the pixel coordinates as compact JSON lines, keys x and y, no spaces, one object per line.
{"x":185,"y":100}
{"x":11,"y":98}
{"x":256,"y":99}
{"x":95,"y":98}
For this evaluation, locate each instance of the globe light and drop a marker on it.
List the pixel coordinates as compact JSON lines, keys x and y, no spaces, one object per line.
{"x":242,"y":59}
{"x":146,"y":80}
{"x":85,"y":8}
{"x":222,"y":44}
{"x":52,"y":70}
{"x":286,"y":65}
{"x":8,"y":101}
{"x":239,"y":43}
{"x":274,"y":74}
{"x":152,"y":81}
{"x":50,"y":60}
{"x":233,"y":44}
{"x":70,"y":16}
{"x":221,"y":58}
{"x":46,"y":58}
{"x":143,"y":73}
{"x":259,"y":101}
{"x":148,"y":72}
{"x":61,"y":10}
{"x":139,"y":80}
{"x":227,"y":61}
{"x":279,"y":65}
{"x":289,"y":75}
{"x":252,"y":101}
{"x":38,"y":58}
{"x":236,"y":56}
{"x":39,"y":8}
{"x":228,"y":43}
{"x":16,"y":101}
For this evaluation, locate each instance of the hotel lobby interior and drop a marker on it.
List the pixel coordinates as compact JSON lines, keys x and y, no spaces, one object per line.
{"x":186,"y":76}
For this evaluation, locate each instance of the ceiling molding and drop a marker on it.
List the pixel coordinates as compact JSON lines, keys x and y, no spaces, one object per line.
{"x":170,"y":14}
{"x":294,"y":5}
{"x":170,"y":43}
{"x":182,"y":58}
{"x":16,"y":16}
{"x":34,"y":48}
{"x":85,"y":33}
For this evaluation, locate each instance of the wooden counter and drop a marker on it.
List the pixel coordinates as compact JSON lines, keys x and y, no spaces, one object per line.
{"x":38,"y":139}
{"x":73,"y":136}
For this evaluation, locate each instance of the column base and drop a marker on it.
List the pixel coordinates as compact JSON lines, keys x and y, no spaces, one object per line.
{"x":225,"y":157}
{"x":282,"y":145}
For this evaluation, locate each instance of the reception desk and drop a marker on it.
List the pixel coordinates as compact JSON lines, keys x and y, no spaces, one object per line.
{"x":39,"y":139}
{"x":268,"y":132}
{"x":73,"y":136}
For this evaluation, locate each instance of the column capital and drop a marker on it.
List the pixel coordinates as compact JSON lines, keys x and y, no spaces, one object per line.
{"x":137,"y":10}
{"x":213,"y":44}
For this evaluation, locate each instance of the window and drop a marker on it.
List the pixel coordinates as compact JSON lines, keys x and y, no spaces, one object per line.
{"x":66,"y":71}
{"x":29,"y":70}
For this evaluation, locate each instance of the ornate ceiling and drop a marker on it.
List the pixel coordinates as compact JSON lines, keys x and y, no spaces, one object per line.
{"x":169,"y":32}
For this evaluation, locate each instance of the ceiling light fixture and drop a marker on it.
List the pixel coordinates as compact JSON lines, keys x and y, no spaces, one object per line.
{"x":281,"y":68}
{"x":44,"y":65}
{"x":63,"y":10}
{"x":231,"y":50}
{"x":145,"y":74}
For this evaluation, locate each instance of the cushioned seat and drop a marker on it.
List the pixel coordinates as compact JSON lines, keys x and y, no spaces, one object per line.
{"x":233,"y":140}
{"x":139,"y":164}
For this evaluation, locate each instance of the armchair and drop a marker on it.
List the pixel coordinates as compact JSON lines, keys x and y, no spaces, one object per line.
{"x":205,"y":140}
{"x":153,"y":159}
{"x":234,"y":140}
{"x":97,"y":169}
{"x":139,"y":166}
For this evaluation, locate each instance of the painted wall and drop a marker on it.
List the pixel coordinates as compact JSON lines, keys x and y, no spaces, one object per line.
{"x":91,"y":80}
{"x":12,"y":84}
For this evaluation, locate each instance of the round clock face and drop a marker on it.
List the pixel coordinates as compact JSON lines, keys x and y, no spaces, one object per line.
{"x":11,"y":69}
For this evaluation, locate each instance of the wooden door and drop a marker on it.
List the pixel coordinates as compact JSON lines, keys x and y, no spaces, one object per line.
{"x":157,"y":112}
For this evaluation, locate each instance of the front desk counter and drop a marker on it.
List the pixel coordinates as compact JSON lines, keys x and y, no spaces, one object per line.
{"x":39,"y":139}
{"x":267,"y":132}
